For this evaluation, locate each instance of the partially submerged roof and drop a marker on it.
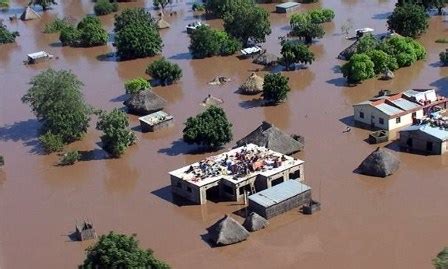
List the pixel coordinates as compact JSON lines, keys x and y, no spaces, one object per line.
{"x":144,"y":102}
{"x":287,"y":5}
{"x":255,"y":222}
{"x":156,"y":118}
{"x":38,"y":55}
{"x":227,"y":231}
{"x":29,"y":14}
{"x":380,"y":163}
{"x":279,"y":193}
{"x":388,"y":109}
{"x":162,"y":24}
{"x":436,"y":132}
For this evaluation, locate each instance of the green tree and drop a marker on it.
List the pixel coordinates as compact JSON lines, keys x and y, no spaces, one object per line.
{"x":441,"y":261}
{"x":206,"y":42}
{"x":426,"y":4}
{"x":275,"y":88}
{"x":51,"y":142}
{"x":408,"y":20}
{"x":70,"y":158}
{"x":69,"y":36}
{"x":320,"y":15}
{"x":164,"y":71}
{"x":293,"y":52}
{"x":7,"y":36}
{"x":358,"y":68}
{"x":248,"y":23}
{"x":56,"y":99}
{"x":91,"y":32}
{"x":57,"y":25}
{"x":444,"y":57}
{"x":136,"y":34}
{"x":210,"y":128}
{"x":136,"y":85}
{"x":220,"y":8}
{"x":120,"y":251}
{"x":382,"y":61}
{"x":117,"y":136}
{"x":307,"y":30}
{"x":4,"y":4}
{"x":45,"y":4}
{"x":366,"y":43}
{"x":161,"y":3}
{"x":405,"y":50}
{"x":104,"y":7}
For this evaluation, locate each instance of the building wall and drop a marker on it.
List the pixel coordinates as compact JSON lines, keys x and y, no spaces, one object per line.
{"x":190,"y":191}
{"x":388,"y":123}
{"x":280,"y":207}
{"x":419,"y":143}
{"x":405,"y":120}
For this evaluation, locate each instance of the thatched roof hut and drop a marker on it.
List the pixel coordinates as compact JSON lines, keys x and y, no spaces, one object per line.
{"x":162,"y":24}
{"x":219,"y":80}
{"x":85,"y":231}
{"x":255,"y":222}
{"x":227,"y":231}
{"x":269,"y":136}
{"x":348,"y":52}
{"x":29,"y":14}
{"x":144,"y":102}
{"x":266,"y":59}
{"x":253,"y":85}
{"x":211,"y":100}
{"x":380,"y":163}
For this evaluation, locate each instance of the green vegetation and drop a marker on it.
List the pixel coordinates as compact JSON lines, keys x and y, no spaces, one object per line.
{"x":320,"y":15}
{"x":88,"y":33}
{"x":4,"y":4}
{"x":248,"y":23}
{"x":136,"y":85}
{"x":275,"y":88}
{"x":444,"y":57}
{"x":441,"y":261}
{"x":45,"y":4}
{"x":160,"y":3}
{"x":117,"y":137}
{"x":293,"y":52}
{"x":360,"y":67}
{"x":308,"y":25}
{"x":442,"y":40}
{"x":198,"y":6}
{"x":70,"y":158}
{"x":164,"y":71}
{"x":207,"y":42}
{"x":56,"y":99}
{"x":120,"y":251}
{"x":382,"y":61}
{"x":210,"y":128}
{"x":7,"y":36}
{"x":220,"y":8}
{"x":408,"y":20}
{"x":426,"y":4}
{"x":136,"y":34}
{"x":57,"y":25}
{"x":104,"y":7}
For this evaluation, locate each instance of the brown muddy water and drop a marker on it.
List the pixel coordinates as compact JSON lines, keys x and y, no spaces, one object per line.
{"x":398,"y":222}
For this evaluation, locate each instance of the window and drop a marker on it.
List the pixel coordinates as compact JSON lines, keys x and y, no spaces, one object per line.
{"x":361,"y":115}
{"x":276,"y":181}
{"x":398,"y":120}
{"x":189,"y":189}
{"x":429,"y":146}
{"x":409,"y":142}
{"x":381,"y":120}
{"x":294,"y":175}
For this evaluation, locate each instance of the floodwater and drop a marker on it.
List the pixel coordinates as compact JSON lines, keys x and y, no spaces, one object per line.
{"x":398,"y":222}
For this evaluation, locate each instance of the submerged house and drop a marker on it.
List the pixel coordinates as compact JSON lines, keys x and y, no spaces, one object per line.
{"x":231,"y":175}
{"x":227,"y":231}
{"x":287,"y":7}
{"x":391,"y":111}
{"x":156,"y":121}
{"x":85,"y":231}
{"x":425,"y":138}
{"x":29,"y":14}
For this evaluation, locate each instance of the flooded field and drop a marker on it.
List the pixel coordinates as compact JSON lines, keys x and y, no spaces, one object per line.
{"x":398,"y":222}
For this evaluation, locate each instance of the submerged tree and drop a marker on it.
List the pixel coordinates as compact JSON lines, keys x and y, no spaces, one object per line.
{"x":408,"y":20}
{"x":164,"y":71}
{"x":206,"y":42}
{"x":45,"y":4}
{"x":56,"y":99}
{"x":293,"y":52}
{"x":359,"y":68}
{"x":275,"y":88}
{"x":7,"y":36}
{"x":220,"y":8}
{"x":120,"y":251}
{"x":441,"y":261}
{"x":104,"y":7}
{"x":88,"y":33}
{"x":210,"y":128}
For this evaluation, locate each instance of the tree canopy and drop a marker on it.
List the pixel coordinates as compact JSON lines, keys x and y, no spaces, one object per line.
{"x":275,"y":88}
{"x":161,"y":3}
{"x":294,"y":52}
{"x":220,"y":8}
{"x":210,"y":128}
{"x":136,"y":85}
{"x":136,"y":35}
{"x":104,"y":7}
{"x":88,"y":33}
{"x":164,"y":71}
{"x":427,"y":4}
{"x":45,"y":4}
{"x":308,"y":26}
{"x":408,"y":20}
{"x":56,"y":99}
{"x":360,"y":67}
{"x":57,"y":25}
{"x":206,"y":42}
{"x":4,"y":4}
{"x":120,"y":251}
{"x":117,"y":137}
{"x":7,"y":36}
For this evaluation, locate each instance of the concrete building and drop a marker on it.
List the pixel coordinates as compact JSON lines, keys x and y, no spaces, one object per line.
{"x":425,"y":139}
{"x":230,"y":175}
{"x":287,"y":7}
{"x":392,"y":111}
{"x":156,"y":121}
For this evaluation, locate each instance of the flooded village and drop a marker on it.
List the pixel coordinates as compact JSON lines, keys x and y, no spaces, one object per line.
{"x":322,"y":144}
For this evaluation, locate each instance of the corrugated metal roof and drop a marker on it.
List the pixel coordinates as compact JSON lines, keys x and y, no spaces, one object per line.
{"x":388,"y":109}
{"x":279,"y":193}
{"x":436,"y":132}
{"x":405,"y":104}
{"x":288,"y":5}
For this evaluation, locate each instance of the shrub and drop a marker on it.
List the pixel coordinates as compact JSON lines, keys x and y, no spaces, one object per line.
{"x":444,"y":57}
{"x":359,"y":68}
{"x":320,"y":15}
{"x":57,"y":25}
{"x":164,"y":71}
{"x":408,"y":20}
{"x":69,"y":36}
{"x":136,"y":85}
{"x":198,"y":7}
{"x":7,"y":36}
{"x":70,"y":158}
{"x":275,"y":88}
{"x":382,"y":61}
{"x":51,"y":142}
{"x":206,"y":42}
{"x":441,"y":261}
{"x":293,"y":52}
{"x":104,"y":7}
{"x":88,"y":33}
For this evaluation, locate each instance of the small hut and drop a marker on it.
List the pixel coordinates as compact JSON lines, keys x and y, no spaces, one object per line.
{"x":380,"y":163}
{"x":144,"y":103}
{"x":253,"y":85}
{"x":266,"y":59}
{"x":219,"y":80}
{"x":271,"y":137}
{"x":255,"y":222}
{"x":227,"y":231}
{"x":29,"y":14}
{"x":348,"y":52}
{"x":211,"y":100}
{"x":162,"y":24}
{"x":85,"y":231}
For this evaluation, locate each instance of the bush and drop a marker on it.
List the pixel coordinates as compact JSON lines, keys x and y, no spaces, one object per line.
{"x":164,"y":71}
{"x":104,"y":7}
{"x":442,"y":40}
{"x":293,"y":52}
{"x":136,"y":85}
{"x":408,"y":20}
{"x":303,"y":28}
{"x":51,"y":142}
{"x":210,"y":128}
{"x":7,"y":36}
{"x":444,"y":57}
{"x":69,"y":36}
{"x":359,"y":68}
{"x":198,"y":7}
{"x":382,"y":61}
{"x":206,"y":42}
{"x":275,"y":88}
{"x":221,"y":8}
{"x":441,"y":261}
{"x":70,"y":158}
{"x":57,"y":25}
{"x":4,"y":4}
{"x":88,"y":33}
{"x":320,"y":15}
{"x":45,"y":4}
{"x":136,"y":35}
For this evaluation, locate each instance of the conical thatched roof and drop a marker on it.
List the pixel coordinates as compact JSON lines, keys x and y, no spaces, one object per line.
{"x":211,"y":100}
{"x":266,"y":59}
{"x":269,"y":136}
{"x":227,"y":231}
{"x":162,"y":24}
{"x":29,"y":14}
{"x":255,"y":222}
{"x":348,"y":52}
{"x":144,"y":102}
{"x":253,"y":84}
{"x":379,"y":163}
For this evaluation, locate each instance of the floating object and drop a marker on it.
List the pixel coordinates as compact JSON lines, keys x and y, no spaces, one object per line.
{"x":220,"y":80}
{"x":380,"y":163}
{"x":255,"y":222}
{"x":156,"y":121}
{"x":227,"y":231}
{"x":251,"y":50}
{"x":211,"y":100}
{"x":38,"y":57}
{"x":29,"y":14}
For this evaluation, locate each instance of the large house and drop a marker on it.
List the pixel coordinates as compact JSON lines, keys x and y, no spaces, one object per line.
{"x":391,"y":111}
